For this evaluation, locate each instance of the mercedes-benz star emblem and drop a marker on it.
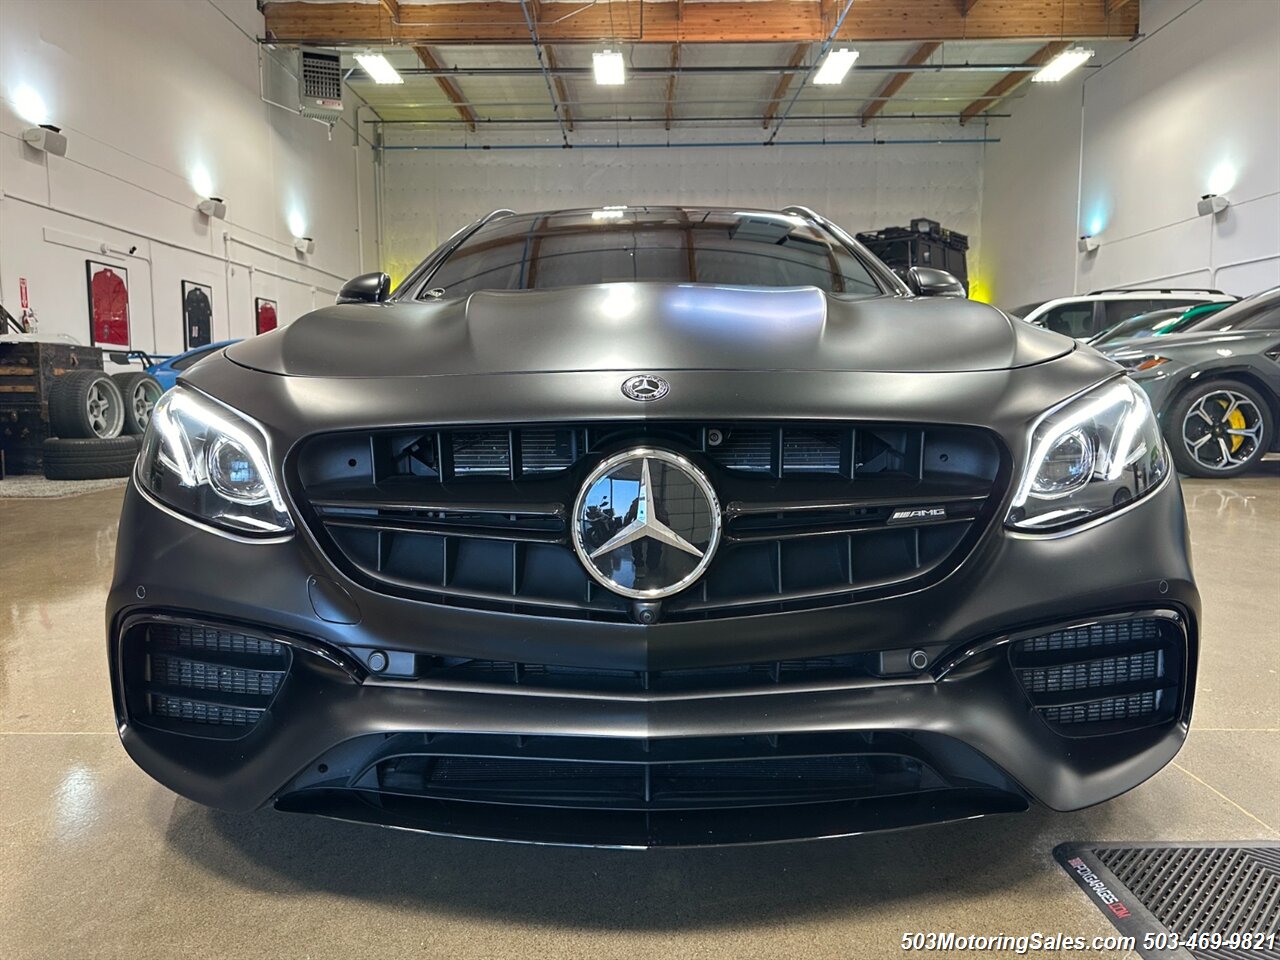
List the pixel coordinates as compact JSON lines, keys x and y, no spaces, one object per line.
{"x":645,"y":388}
{"x":646,"y":523}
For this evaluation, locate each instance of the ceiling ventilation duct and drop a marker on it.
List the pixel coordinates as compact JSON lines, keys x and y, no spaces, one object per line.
{"x":319,"y":85}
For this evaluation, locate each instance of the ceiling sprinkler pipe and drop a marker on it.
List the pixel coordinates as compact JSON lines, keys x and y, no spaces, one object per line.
{"x":720,"y":144}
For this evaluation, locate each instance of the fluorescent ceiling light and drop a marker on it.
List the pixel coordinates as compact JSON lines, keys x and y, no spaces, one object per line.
{"x":376,"y":66}
{"x":835,"y":67}
{"x":1062,"y":64}
{"x":609,"y":67}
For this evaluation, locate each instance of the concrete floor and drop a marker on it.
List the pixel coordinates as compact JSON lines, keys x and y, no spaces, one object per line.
{"x":98,"y":860}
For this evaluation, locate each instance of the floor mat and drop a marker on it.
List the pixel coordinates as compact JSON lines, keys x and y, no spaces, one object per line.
{"x":1185,"y":901}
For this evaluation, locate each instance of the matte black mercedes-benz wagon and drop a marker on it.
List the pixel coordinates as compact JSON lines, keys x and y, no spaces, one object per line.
{"x":653,"y":526}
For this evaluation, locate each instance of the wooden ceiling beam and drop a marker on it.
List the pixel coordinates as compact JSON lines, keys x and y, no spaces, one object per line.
{"x":393,"y":9}
{"x":448,"y":86}
{"x":561,"y":88}
{"x":783,"y":84}
{"x":965,"y":6}
{"x":793,"y":21}
{"x":1012,"y":81}
{"x":891,"y":86}
{"x":671,"y":85}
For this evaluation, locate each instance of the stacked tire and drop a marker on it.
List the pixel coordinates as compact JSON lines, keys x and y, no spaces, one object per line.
{"x":97,"y":420}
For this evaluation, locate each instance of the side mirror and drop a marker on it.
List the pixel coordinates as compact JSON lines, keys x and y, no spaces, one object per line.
{"x":366,"y":288}
{"x":928,"y":282}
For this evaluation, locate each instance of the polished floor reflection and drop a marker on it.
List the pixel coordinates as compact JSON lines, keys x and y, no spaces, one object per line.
{"x":98,"y":860}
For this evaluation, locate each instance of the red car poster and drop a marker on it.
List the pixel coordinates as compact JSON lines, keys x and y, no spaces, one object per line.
{"x":265,"y":311}
{"x":108,"y":304}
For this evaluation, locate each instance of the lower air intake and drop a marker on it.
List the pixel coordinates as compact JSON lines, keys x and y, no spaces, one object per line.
{"x":1106,"y":676}
{"x":201,"y":680}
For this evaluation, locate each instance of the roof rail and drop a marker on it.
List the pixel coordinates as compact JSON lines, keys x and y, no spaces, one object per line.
{"x":1094,"y":293}
{"x":869,"y":260}
{"x":804,"y":212}
{"x":495,"y":214}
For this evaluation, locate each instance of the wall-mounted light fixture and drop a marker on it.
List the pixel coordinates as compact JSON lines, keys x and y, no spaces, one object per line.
{"x":1211,"y":203}
{"x":305,"y":245}
{"x":47,"y":138}
{"x":609,"y":67}
{"x":213,"y":207}
{"x":1087,"y":245}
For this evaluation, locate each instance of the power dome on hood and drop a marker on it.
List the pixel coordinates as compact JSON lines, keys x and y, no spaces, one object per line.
{"x":630,"y":326}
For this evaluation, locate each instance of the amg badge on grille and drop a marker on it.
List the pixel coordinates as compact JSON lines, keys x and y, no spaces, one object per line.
{"x":903,"y":514}
{"x":646,"y":523}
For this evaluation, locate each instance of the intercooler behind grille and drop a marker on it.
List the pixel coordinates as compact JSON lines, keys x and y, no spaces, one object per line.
{"x":1107,"y":676}
{"x":201,"y":680}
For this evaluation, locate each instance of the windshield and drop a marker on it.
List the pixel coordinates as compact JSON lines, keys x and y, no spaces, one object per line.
{"x":1144,"y":325}
{"x":1259,"y":312}
{"x":544,"y":251}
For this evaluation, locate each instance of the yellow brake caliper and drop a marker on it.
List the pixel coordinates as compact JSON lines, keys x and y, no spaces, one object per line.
{"x":1236,"y":419}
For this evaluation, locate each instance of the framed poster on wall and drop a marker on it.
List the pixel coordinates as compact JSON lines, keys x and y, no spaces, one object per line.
{"x":197,"y":314}
{"x":264,"y":311}
{"x":108,"y":288}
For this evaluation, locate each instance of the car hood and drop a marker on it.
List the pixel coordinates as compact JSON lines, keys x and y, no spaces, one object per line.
{"x":1245,"y":341}
{"x":639,"y":326}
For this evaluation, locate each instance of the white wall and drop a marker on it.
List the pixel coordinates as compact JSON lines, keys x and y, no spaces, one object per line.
{"x":1124,"y":152}
{"x":146,"y":92}
{"x":428,"y":195}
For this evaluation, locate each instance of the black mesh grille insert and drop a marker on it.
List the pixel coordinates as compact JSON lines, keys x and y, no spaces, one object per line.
{"x":1114,"y":674}
{"x":1139,"y":705}
{"x":200,"y":679}
{"x":1107,"y":672}
{"x":813,"y":513}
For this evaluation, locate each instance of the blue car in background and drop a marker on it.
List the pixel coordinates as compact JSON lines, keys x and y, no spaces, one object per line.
{"x":140,"y":389}
{"x":166,"y":371}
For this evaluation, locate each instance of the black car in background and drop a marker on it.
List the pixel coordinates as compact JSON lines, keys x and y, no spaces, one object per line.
{"x":1215,"y":385}
{"x":653,"y":526}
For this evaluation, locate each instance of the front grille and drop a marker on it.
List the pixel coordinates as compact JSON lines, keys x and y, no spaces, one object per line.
{"x":678,"y":791}
{"x":657,"y":785}
{"x":814,"y":514}
{"x":1114,"y":674}
{"x":201,"y":680}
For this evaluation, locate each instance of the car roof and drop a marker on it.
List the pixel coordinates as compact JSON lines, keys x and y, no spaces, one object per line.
{"x":1199,"y":295}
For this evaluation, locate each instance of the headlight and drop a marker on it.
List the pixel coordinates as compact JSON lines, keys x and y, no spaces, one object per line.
{"x":204,"y":460}
{"x":1138,"y":362}
{"x":1089,"y":457}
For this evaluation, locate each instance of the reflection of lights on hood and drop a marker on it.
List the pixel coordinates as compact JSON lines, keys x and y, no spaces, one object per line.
{"x":201,"y":180}
{"x":30,"y":106}
{"x":779,"y":313}
{"x":1223,"y":352}
{"x":76,"y":801}
{"x":619,"y":302}
{"x":1222,"y":178}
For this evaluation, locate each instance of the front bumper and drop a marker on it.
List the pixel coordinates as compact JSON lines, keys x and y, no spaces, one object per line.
{"x":971,"y":724}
